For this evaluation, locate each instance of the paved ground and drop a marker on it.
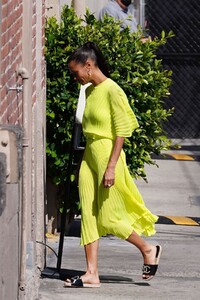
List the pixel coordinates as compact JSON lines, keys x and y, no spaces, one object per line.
{"x":173,"y":190}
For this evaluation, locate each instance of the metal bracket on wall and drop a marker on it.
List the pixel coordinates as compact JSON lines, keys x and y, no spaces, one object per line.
{"x":17,"y":88}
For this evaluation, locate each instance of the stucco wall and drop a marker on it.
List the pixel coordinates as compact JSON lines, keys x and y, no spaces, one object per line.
{"x":9,"y":233}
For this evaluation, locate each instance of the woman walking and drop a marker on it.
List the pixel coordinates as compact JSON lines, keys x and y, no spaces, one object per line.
{"x":110,"y":201}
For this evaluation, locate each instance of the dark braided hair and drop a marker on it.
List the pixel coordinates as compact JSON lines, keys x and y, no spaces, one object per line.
{"x":92,"y":51}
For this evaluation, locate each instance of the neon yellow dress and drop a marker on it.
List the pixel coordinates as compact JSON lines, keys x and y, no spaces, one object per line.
{"x":119,"y":210}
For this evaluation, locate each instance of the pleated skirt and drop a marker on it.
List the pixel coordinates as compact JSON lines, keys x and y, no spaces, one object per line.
{"x":118,"y":210}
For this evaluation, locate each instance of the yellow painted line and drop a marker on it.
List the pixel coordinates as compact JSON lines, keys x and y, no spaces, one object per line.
{"x":182,"y":157}
{"x":182,"y":220}
{"x":52,"y":236}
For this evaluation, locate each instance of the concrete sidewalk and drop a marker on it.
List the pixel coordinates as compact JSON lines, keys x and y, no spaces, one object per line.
{"x":120,"y":269}
{"x":173,"y":189}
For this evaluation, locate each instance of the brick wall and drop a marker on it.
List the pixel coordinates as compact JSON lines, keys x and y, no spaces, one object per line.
{"x":11,"y":57}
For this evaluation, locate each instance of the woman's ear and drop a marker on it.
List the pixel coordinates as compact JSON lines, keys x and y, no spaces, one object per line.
{"x":88,"y":63}
{"x":89,"y":67}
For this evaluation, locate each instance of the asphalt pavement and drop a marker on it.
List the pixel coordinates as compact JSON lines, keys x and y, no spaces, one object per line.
{"x":173,"y":190}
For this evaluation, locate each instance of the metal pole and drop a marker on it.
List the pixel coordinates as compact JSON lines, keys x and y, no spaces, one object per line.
{"x":66,"y":201}
{"x":25,"y":181}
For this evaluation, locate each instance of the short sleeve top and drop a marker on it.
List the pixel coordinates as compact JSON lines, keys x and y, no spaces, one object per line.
{"x":127,"y":18}
{"x":107,"y":112}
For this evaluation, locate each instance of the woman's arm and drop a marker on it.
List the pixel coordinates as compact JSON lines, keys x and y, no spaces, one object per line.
{"x":109,"y":175}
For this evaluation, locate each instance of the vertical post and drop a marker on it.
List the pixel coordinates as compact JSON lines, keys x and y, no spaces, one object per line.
{"x":66,"y":201}
{"x":142,"y":13}
{"x":27,"y":97}
{"x":26,"y":74}
{"x":0,"y":46}
{"x":80,"y":7}
{"x":25,"y":179}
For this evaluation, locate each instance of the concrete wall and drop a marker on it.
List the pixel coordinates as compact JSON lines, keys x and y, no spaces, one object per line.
{"x":10,"y":211}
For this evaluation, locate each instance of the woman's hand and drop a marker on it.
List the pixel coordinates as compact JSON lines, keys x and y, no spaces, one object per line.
{"x":109,"y":177}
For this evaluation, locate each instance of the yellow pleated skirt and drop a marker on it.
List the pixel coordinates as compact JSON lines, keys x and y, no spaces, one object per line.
{"x":119,"y":210}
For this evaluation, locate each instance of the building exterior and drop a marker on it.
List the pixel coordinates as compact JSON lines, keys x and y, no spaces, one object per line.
{"x":22,"y":123}
{"x":55,"y":7}
{"x":22,"y":147}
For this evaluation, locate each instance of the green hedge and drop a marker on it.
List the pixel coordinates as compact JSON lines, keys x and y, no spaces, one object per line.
{"x":133,"y":66}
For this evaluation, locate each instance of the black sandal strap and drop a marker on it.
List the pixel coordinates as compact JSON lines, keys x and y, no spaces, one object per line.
{"x":76,"y":281}
{"x":149,"y":269}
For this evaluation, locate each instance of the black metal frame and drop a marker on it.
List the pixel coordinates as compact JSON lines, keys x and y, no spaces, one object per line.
{"x":57,"y":272}
{"x":181,"y":54}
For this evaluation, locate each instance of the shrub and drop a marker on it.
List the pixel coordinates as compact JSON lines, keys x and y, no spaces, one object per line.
{"x":133,"y":66}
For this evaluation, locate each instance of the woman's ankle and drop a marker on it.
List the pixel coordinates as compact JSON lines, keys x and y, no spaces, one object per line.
{"x":90,"y":277}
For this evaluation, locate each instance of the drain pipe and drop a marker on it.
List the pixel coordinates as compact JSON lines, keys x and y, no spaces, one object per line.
{"x":23,"y":73}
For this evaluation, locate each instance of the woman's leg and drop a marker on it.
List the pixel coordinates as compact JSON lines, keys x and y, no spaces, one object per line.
{"x":148,"y":251}
{"x":91,"y":254}
{"x":89,"y":230}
